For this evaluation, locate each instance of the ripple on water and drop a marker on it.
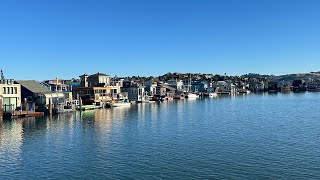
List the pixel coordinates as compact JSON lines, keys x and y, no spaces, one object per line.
{"x":255,"y":137}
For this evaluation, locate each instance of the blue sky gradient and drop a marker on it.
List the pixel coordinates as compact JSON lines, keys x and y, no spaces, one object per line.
{"x":42,"y":39}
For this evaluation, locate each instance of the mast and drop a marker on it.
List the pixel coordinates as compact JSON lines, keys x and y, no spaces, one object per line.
{"x":190,"y":83}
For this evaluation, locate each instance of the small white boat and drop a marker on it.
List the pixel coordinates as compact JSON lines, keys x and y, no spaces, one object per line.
{"x":191,"y":95}
{"x":121,"y":104}
{"x":213,"y":94}
{"x":118,"y":104}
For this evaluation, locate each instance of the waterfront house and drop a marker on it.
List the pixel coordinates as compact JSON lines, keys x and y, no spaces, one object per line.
{"x":161,"y":91}
{"x":96,"y":88}
{"x":176,"y":84}
{"x":259,"y":86}
{"x":56,"y":85}
{"x":242,"y":87}
{"x":37,"y":96}
{"x":95,"y":80}
{"x":313,"y":85}
{"x":272,"y":87}
{"x":299,"y":85}
{"x":199,"y":86}
{"x":225,"y":87}
{"x":166,"y":90}
{"x":135,"y":91}
{"x":284,"y":86}
{"x":151,"y":86}
{"x":11,"y":95}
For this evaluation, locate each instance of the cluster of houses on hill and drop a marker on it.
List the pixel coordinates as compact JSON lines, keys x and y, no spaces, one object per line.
{"x":54,"y":96}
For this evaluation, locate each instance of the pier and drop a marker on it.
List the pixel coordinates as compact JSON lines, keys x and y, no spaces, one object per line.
{"x":21,"y":114}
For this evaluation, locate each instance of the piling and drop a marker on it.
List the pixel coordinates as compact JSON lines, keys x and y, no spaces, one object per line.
{"x":50,"y":106}
{"x":80,"y":103}
{"x":25,"y":103}
{"x":34,"y":107}
{"x":1,"y":111}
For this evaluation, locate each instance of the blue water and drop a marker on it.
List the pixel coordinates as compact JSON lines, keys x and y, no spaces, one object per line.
{"x":245,"y":137}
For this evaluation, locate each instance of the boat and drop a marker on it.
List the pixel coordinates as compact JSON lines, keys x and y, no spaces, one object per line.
{"x":192,"y":95}
{"x":189,"y":94}
{"x":213,"y":94}
{"x":88,"y":107}
{"x":124,"y":103}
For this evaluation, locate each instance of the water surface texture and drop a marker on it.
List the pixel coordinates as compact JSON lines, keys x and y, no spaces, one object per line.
{"x":245,"y":137}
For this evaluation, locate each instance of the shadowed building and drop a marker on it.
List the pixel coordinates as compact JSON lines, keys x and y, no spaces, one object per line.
{"x":96,"y":88}
{"x":33,"y":92}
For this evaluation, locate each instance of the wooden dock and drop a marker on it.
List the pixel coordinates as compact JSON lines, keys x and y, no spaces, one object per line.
{"x":21,"y":114}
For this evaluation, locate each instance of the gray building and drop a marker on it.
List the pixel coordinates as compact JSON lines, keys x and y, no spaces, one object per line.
{"x":95,"y":80}
{"x":136,"y":93}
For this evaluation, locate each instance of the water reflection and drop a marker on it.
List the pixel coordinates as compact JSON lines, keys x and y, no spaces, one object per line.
{"x":11,"y":140}
{"x":181,"y":139}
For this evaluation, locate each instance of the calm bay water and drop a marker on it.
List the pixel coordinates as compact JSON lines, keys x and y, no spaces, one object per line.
{"x":247,"y":137}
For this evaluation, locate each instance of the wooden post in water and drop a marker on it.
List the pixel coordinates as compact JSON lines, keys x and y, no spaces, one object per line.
{"x":1,"y":110}
{"x":25,"y":103}
{"x":80,"y":103}
{"x":34,"y":107}
{"x":27,"y":108}
{"x":50,"y":106}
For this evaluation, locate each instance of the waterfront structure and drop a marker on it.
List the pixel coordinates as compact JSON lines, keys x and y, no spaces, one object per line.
{"x":273,"y":87}
{"x":56,"y":85}
{"x":313,"y":85}
{"x":151,"y":87}
{"x":299,"y":85}
{"x":176,"y":83}
{"x":135,"y":91}
{"x":95,"y":80}
{"x":225,"y":87}
{"x":37,"y":97}
{"x":1,"y":111}
{"x":284,"y":86}
{"x":161,"y":90}
{"x":259,"y":87}
{"x":10,"y":94}
{"x":165,"y":90}
{"x":199,"y":86}
{"x":97,"y":88}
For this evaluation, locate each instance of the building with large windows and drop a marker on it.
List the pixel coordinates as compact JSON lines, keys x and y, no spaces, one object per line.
{"x":11,"y":95}
{"x":96,"y":88}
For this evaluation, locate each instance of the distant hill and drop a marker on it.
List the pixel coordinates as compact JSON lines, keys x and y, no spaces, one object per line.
{"x":304,"y":76}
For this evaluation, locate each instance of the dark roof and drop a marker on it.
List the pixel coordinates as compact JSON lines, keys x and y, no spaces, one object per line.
{"x":33,"y":86}
{"x":98,"y":74}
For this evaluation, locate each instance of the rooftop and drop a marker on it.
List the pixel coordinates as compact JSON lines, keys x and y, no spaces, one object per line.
{"x":98,"y":74}
{"x":33,"y":86}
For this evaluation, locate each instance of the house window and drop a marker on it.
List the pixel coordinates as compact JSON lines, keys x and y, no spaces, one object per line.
{"x":11,"y":90}
{"x":15,"y":90}
{"x":133,"y":91}
{"x":8,"y":90}
{"x":4,"y":90}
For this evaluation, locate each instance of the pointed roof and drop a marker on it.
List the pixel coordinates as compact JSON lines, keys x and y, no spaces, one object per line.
{"x":33,"y":86}
{"x":98,"y":74}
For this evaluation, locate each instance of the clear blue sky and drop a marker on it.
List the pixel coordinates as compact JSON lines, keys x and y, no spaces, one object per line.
{"x":42,"y":39}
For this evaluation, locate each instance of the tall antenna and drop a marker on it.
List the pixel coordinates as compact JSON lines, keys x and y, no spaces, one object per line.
{"x":2,"y":76}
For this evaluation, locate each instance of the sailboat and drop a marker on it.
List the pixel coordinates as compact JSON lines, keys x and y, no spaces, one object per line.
{"x":190,"y":94}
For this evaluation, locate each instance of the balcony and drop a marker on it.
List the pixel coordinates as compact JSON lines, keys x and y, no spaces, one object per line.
{"x":7,"y":81}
